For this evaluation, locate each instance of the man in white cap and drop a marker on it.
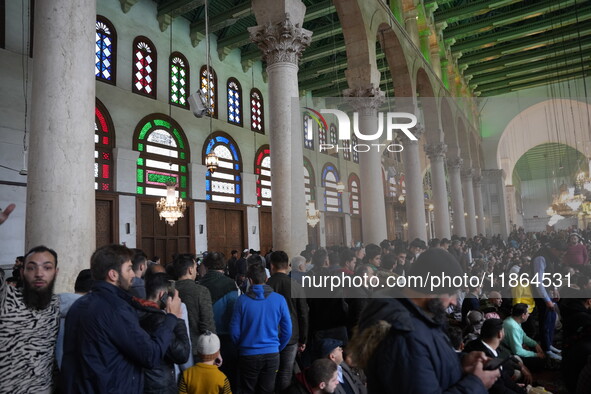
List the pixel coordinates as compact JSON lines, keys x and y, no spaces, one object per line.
{"x":205,"y":377}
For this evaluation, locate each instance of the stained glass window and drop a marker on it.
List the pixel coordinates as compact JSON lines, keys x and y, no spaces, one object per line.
{"x":225,"y":183}
{"x":347,"y":149}
{"x":179,"y":80}
{"x":103,"y":149}
{"x":262,"y":169}
{"x":321,"y":136}
{"x":209,"y":88}
{"x":332,"y":198}
{"x":354,"y":195}
{"x":257,"y":114}
{"x":234,"y":102}
{"x":164,"y":156}
{"x":308,"y":131}
{"x":309,"y":181}
{"x":333,"y":139}
{"x":144,"y":67}
{"x":105,"y":59}
{"x":354,"y":153}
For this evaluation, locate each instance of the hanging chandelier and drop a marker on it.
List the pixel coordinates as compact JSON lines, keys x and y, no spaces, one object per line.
{"x":312,"y":214}
{"x":340,"y":187}
{"x":170,"y":207}
{"x":211,"y":162}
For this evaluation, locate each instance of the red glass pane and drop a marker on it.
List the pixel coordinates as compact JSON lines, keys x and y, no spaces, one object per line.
{"x":105,"y":187}
{"x":106,"y":156}
{"x":105,"y":140}
{"x":105,"y":171}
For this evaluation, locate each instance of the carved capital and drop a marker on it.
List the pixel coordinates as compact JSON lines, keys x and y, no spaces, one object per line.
{"x":281,"y":42}
{"x":477,"y":180}
{"x":418,"y":132}
{"x":467,"y":174}
{"x":436,"y":151}
{"x":366,"y":101}
{"x":455,"y":163}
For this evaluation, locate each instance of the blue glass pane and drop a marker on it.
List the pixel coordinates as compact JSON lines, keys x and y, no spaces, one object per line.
{"x":207,"y":185}
{"x":237,"y":189}
{"x":209,"y":147}
{"x":237,"y":167}
{"x":234,"y":152}
{"x":222,"y":139}
{"x":238,"y":178}
{"x":238,"y":201}
{"x":208,"y":197}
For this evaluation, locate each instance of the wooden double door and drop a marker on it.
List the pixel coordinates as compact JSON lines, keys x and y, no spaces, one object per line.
{"x":226,"y":228}
{"x":334,"y":229}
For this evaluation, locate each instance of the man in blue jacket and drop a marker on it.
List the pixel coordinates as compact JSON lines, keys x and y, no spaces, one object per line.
{"x":105,"y":348}
{"x":261,"y":327}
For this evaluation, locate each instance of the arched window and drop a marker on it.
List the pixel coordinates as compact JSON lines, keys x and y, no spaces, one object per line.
{"x":309,"y":181}
{"x":332,"y":198}
{"x":321,"y":137}
{"x":257,"y":114}
{"x":354,"y":195}
{"x":427,"y":184}
{"x":234,"y":102}
{"x":225,"y":184}
{"x":104,"y":141}
{"x":164,"y":156}
{"x":308,"y":132}
{"x":211,"y":91}
{"x":105,"y":61}
{"x":144,"y":67}
{"x":262,"y":169}
{"x":347,"y":149}
{"x":354,"y":153}
{"x":179,"y":80}
{"x":333,"y":139}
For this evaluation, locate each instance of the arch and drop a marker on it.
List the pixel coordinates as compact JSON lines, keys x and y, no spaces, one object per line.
{"x":354,"y":186}
{"x":463,"y":142}
{"x":540,"y":123}
{"x":145,"y":66}
{"x":105,"y":63}
{"x":450,"y":136}
{"x":257,"y":111}
{"x":396,"y":58}
{"x":225,"y":183}
{"x":234,"y":90}
{"x":262,"y":169}
{"x":428,"y":104}
{"x":210,"y":91}
{"x":179,"y":80}
{"x":104,"y":142}
{"x":309,"y":180}
{"x":332,"y":199}
{"x":164,"y":155}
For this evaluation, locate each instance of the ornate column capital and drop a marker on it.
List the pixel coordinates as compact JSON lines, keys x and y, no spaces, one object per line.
{"x":477,"y":180}
{"x":418,"y":132}
{"x":455,"y":163}
{"x":281,"y":42}
{"x":467,"y":173}
{"x":365,"y":100}
{"x":436,"y":151}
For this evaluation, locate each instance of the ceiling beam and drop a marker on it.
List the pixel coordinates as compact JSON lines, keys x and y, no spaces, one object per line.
{"x":532,"y":84}
{"x":547,"y":74}
{"x":503,"y":19}
{"x":550,"y":51}
{"x":175,"y":8}
{"x":469,"y":10}
{"x":572,"y":16}
{"x":327,"y":68}
{"x":225,"y":19}
{"x":539,"y":40}
{"x":308,"y":56}
{"x":530,"y":67}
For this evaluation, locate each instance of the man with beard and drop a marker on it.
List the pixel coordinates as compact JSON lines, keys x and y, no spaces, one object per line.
{"x":105,"y":348}
{"x":29,"y":320}
{"x":401,"y":342}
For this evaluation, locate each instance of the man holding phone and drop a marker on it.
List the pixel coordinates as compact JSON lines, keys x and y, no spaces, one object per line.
{"x":105,"y":348}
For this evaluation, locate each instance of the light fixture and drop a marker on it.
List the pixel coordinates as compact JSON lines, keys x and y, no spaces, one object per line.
{"x":476,"y":216}
{"x":312,"y":214}
{"x":340,"y":187}
{"x":431,"y":207}
{"x":466,"y":214}
{"x":211,"y":162}
{"x":170,"y":207}
{"x":401,"y":199}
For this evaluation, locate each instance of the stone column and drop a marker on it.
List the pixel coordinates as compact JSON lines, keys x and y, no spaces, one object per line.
{"x":436,"y":154}
{"x":415,"y":195}
{"x":479,"y":208}
{"x":60,"y":192}
{"x":435,"y":59}
{"x":457,"y":200}
{"x":373,"y":226}
{"x":411,"y":24}
{"x":470,"y":218}
{"x":282,"y":40}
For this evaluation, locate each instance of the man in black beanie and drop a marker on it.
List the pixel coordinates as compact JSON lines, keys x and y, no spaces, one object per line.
{"x":401,"y":342}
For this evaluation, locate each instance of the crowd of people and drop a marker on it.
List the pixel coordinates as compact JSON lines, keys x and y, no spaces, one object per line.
{"x":248,"y":324}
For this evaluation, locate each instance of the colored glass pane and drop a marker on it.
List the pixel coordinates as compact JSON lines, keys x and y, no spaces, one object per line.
{"x":354,"y":153}
{"x":308,"y":133}
{"x":263,"y":172}
{"x":224,"y":184}
{"x":140,"y":161}
{"x":140,"y":190}
{"x":183,"y":194}
{"x":208,"y":88}
{"x":104,"y":60}
{"x":256,"y":111}
{"x":140,"y":176}
{"x":103,"y":158}
{"x":178,"y":80}
{"x":234,"y":102}
{"x":183,"y":169}
{"x":347,"y":149}
{"x":144,"y":68}
{"x":160,"y":178}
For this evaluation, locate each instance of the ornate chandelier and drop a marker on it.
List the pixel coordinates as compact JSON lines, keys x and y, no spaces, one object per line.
{"x":340,"y":187}
{"x":170,"y":207}
{"x":312,"y":214}
{"x":211,"y":162}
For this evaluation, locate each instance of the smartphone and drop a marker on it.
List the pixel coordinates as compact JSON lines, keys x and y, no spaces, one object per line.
{"x":495,"y":363}
{"x":170,"y":289}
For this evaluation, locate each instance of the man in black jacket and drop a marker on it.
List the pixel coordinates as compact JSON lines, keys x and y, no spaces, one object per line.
{"x":298,"y":310}
{"x":161,"y":379}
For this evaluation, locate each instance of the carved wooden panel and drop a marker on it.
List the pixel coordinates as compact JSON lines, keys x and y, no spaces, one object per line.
{"x":334,"y":228}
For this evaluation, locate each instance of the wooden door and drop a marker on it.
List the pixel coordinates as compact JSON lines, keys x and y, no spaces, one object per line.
{"x":266,"y":230}
{"x":225,"y":229}
{"x":157,"y":238}
{"x":356,"y":233}
{"x":313,"y":236}
{"x":107,"y":219}
{"x":334,"y":228}
{"x":390,"y":221}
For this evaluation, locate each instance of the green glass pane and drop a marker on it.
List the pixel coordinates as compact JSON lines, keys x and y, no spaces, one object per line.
{"x":140,"y":147}
{"x":183,"y":181}
{"x":145,"y":130}
{"x":162,"y":123}
{"x":178,"y":138}
{"x":140,"y":176}
{"x":140,"y":161}
{"x":183,"y":155}
{"x":140,"y":190}
{"x":183,"y":194}
{"x":159,"y":178}
{"x":183,"y":169}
